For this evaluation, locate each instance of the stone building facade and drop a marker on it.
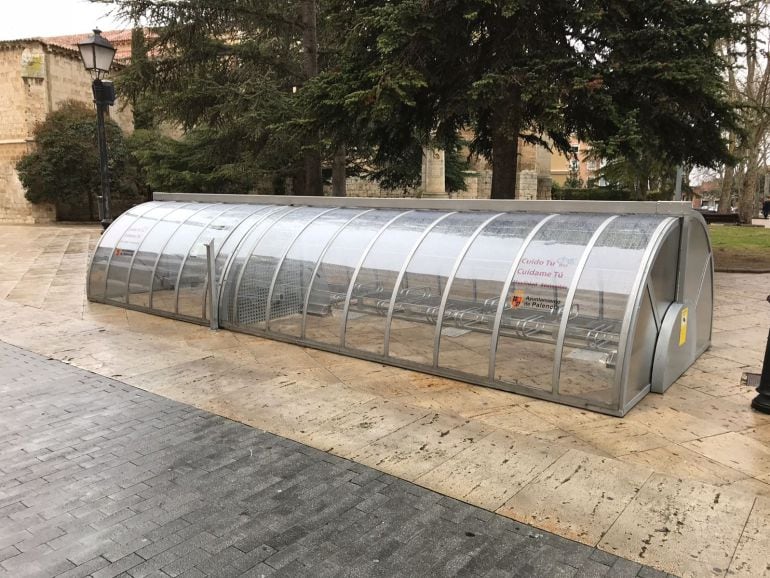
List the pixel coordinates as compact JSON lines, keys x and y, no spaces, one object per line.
{"x":577,"y":164}
{"x":36,"y":77}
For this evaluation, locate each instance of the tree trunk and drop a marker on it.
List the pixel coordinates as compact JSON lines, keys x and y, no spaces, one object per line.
{"x":313,"y":180}
{"x":747,"y":201}
{"x":506,"y":119}
{"x":338,"y":172}
{"x":298,"y":182}
{"x":725,"y":196}
{"x":505,"y":156}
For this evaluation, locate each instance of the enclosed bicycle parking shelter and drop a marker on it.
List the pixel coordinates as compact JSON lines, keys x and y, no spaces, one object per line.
{"x":591,"y":304}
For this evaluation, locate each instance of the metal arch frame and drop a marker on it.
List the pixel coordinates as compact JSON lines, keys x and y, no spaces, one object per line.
{"x":653,"y":299}
{"x":450,"y":282}
{"x":632,"y":305}
{"x":709,"y":265}
{"x":279,"y":264}
{"x":318,"y":264}
{"x":570,"y":298}
{"x":250,"y":254}
{"x":133,"y":257}
{"x":259,"y":218}
{"x":504,"y":293}
{"x":112,"y":252}
{"x":354,"y":276}
{"x":701,"y":221}
{"x":187,"y":255}
{"x":402,"y":272}
{"x":98,"y":244}
{"x":144,"y":239}
{"x":160,"y":253}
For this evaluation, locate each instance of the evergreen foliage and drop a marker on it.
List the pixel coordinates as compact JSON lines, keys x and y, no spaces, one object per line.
{"x":230,"y":71}
{"x":639,"y":79}
{"x":634,"y":76}
{"x":64,"y":167}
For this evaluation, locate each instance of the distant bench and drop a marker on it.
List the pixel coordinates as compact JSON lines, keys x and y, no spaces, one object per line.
{"x":712,"y":217}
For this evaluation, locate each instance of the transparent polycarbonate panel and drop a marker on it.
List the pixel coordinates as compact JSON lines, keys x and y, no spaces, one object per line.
{"x":413,"y":326}
{"x":704,"y":312}
{"x":98,"y":271}
{"x":475,"y":293}
{"x":254,"y":290}
{"x":141,"y":277}
{"x":592,"y":338}
{"x":373,"y":288}
{"x":260,"y":225}
{"x":296,"y":272}
{"x":662,"y":282}
{"x":330,"y":286}
{"x":697,"y":254}
{"x":166,"y":277}
{"x":534,"y":304}
{"x":642,"y":351}
{"x":194,"y":276}
{"x":696,"y":283}
{"x":663,"y":274}
{"x":126,"y":247}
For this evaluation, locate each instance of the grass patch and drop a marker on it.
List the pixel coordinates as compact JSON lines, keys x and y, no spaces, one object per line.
{"x":740,"y":247}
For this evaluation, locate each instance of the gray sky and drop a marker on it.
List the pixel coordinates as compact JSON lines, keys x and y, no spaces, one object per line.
{"x":29,"y":18}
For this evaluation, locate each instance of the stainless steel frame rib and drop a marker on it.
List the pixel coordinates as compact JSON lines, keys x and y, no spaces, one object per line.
{"x":320,"y":260}
{"x":629,"y":318}
{"x":400,"y":278}
{"x":112,"y":253}
{"x":570,"y":299}
{"x":504,"y":294}
{"x":268,"y":305}
{"x":249,"y":255}
{"x":354,"y":276}
{"x":450,"y":281}
{"x":261,"y":216}
{"x":160,"y":254}
{"x":187,"y":255}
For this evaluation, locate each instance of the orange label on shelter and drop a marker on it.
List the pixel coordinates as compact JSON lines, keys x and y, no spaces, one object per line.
{"x":517,"y":299}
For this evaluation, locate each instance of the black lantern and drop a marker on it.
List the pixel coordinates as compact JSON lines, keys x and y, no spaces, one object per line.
{"x":97,"y":54}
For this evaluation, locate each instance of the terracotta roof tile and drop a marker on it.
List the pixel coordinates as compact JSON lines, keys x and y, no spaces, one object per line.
{"x":120,"y":39}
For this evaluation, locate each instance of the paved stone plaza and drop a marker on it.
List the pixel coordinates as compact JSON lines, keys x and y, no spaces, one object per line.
{"x":101,"y":478}
{"x":682,"y":483}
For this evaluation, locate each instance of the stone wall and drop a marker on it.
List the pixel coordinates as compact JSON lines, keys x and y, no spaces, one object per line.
{"x":24,"y":95}
{"x":358,"y":187}
{"x":36,"y":79}
{"x":14,"y":208}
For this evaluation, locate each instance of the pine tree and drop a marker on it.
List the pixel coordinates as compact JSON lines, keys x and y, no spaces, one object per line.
{"x":632,"y":75}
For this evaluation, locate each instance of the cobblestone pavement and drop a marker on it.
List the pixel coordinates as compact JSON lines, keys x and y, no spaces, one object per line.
{"x":100,"y":478}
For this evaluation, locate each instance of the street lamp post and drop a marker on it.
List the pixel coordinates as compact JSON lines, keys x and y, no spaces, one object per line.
{"x":97,"y":54}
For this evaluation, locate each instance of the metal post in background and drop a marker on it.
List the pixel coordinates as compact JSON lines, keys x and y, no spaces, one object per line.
{"x":213,"y":286}
{"x":104,"y":96}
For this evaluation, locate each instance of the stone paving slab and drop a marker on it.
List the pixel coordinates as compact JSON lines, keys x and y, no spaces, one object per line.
{"x":382,"y":415}
{"x":103,"y":479}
